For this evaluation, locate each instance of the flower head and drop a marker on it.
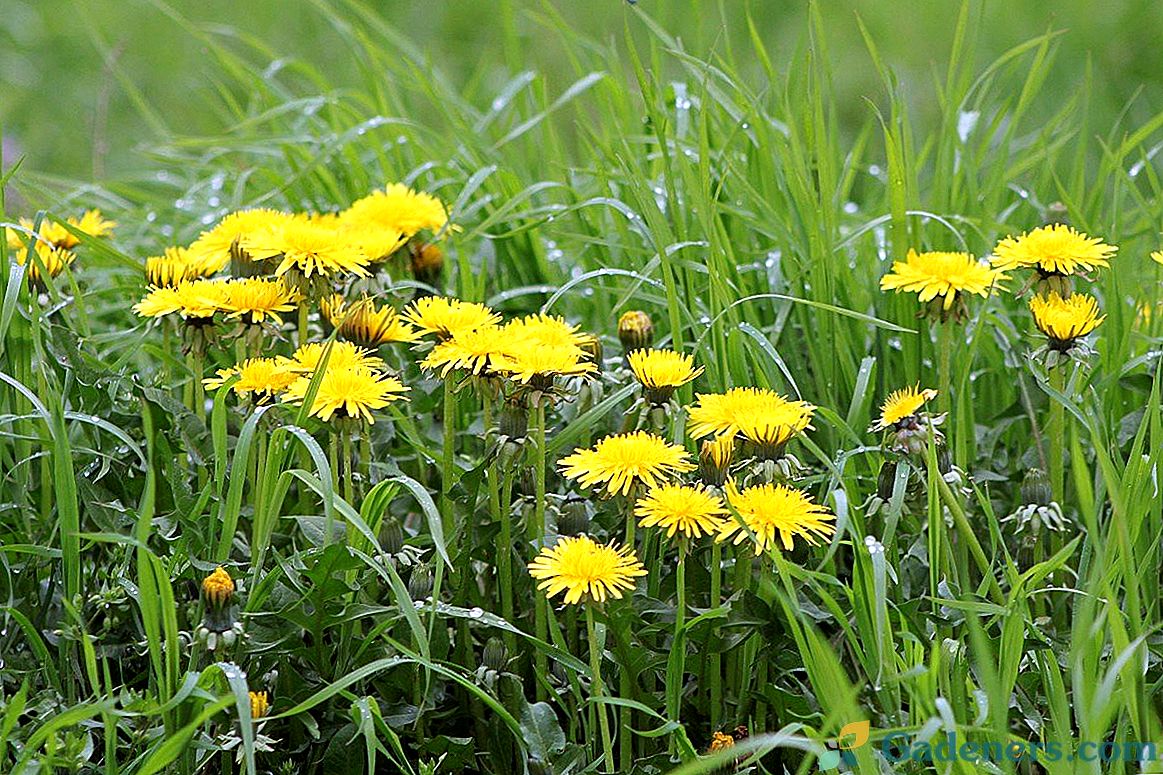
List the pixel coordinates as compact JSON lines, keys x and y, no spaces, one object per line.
{"x":1157,"y":256}
{"x":193,"y":300}
{"x":260,"y":377}
{"x":218,"y":587}
{"x":474,"y":350}
{"x":444,"y":316}
{"x":1064,"y":321}
{"x":397,"y":209}
{"x":260,"y":705}
{"x":635,"y":330}
{"x":53,"y":234}
{"x":585,"y":570}
{"x":691,"y":510}
{"x":762,"y":415}
{"x":768,"y":509}
{"x":901,"y":405}
{"x":537,"y":364}
{"x":715,"y":457}
{"x":176,"y":265}
{"x":347,"y":392}
{"x":254,"y":299}
{"x":366,"y":325}
{"x":1054,"y":249}
{"x":53,"y":259}
{"x":310,"y":249}
{"x":233,"y":236}
{"x":661,"y":372}
{"x":427,"y":262}
{"x":621,"y":461}
{"x":546,"y":330}
{"x":948,"y":275}
{"x":343,"y":355}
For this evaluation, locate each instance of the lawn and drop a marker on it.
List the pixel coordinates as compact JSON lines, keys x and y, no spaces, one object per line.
{"x":557,"y":388}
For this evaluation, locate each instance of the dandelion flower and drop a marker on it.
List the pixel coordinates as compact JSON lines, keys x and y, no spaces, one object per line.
{"x":176,"y":265}
{"x":427,"y":262}
{"x":768,"y":509}
{"x":623,"y":460}
{"x":366,"y":325}
{"x":194,"y":300}
{"x":1064,"y":321}
{"x":260,"y":377}
{"x":930,"y":275}
{"x":691,"y":510}
{"x":761,"y":412}
{"x":537,"y":364}
{"x":254,"y":299}
{"x":715,"y":457}
{"x":397,"y":209}
{"x":546,"y":330}
{"x":901,"y":405}
{"x":379,"y":244}
{"x":347,"y":392}
{"x":473,"y":351}
{"x":233,"y":236}
{"x":1054,"y":249}
{"x":661,"y":372}
{"x":218,"y":587}
{"x":260,"y":705}
{"x":310,"y":249}
{"x":54,"y":260}
{"x":444,"y":316}
{"x":343,"y":355}
{"x":56,"y":235}
{"x":585,"y":570}
{"x":1157,"y":256}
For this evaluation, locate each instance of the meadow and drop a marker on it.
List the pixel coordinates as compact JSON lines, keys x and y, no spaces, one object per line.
{"x":710,"y":393}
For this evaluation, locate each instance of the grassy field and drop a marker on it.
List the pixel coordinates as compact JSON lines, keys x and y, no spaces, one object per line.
{"x":745,"y":177}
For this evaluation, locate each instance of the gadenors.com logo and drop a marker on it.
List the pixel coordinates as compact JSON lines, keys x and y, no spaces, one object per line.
{"x":897,"y":747}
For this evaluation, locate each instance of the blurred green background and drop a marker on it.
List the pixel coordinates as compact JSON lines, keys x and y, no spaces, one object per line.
{"x":80,"y":77}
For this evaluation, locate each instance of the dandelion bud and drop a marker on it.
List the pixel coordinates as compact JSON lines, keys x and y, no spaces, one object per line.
{"x":218,"y":588}
{"x":420,"y":583}
{"x":495,"y":656}
{"x":886,"y":480}
{"x":715,"y":460}
{"x":259,"y":705}
{"x":514,"y":422}
{"x":575,"y":518}
{"x":1036,"y":487}
{"x":427,"y":263}
{"x":392,"y":536}
{"x":635,"y":330}
{"x":720,"y":741}
{"x":1056,"y":212}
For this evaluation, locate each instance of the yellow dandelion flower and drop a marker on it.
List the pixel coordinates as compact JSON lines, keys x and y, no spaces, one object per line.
{"x":546,"y":330}
{"x":538,"y":364}
{"x":343,"y":355}
{"x":54,"y":260}
{"x":444,"y":316}
{"x":635,"y":330}
{"x":196,"y":299}
{"x":768,"y":509}
{"x":233,"y":236}
{"x":661,"y":372}
{"x":218,"y":587}
{"x":92,"y":223}
{"x":398,"y":209}
{"x":56,"y":235}
{"x":473,"y":351}
{"x":365,"y":324}
{"x":1065,"y":320}
{"x":254,"y":299}
{"x":720,"y":741}
{"x":757,"y":410}
{"x":585,"y":570}
{"x":715,"y":456}
{"x":1054,"y":249}
{"x":261,"y":377}
{"x":379,"y":244}
{"x":260,"y":705}
{"x":1157,"y":256}
{"x":348,"y":392}
{"x":930,"y":275}
{"x":621,"y":461}
{"x":427,"y":262}
{"x":902,"y":404}
{"x":308,"y":248}
{"x":175,"y":265}
{"x":691,"y":510}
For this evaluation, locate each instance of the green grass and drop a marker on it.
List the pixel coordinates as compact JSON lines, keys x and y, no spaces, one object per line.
{"x":732,"y":187}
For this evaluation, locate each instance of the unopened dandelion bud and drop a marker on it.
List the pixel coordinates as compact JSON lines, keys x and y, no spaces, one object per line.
{"x":886,"y":480}
{"x":1036,"y":488}
{"x":575,"y":518}
{"x":218,"y":588}
{"x":514,"y":422}
{"x":715,"y":460}
{"x":635,"y":330}
{"x":259,"y":705}
{"x":392,"y":536}
{"x":427,"y":263}
{"x":495,"y":656}
{"x":420,"y":583}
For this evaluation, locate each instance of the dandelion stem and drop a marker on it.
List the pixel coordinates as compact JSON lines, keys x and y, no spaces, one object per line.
{"x":448,"y":459}
{"x":348,"y":459}
{"x":537,"y":533}
{"x":674,"y":677}
{"x":715,"y":663}
{"x":303,"y":311}
{"x":1056,"y":434}
{"x":944,"y":366}
{"x":597,"y":689}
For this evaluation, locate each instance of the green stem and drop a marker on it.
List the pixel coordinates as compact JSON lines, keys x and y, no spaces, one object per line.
{"x":348,"y":460}
{"x":303,"y":312}
{"x":674,"y":678}
{"x":365,"y":460}
{"x":715,"y":663}
{"x":448,"y":459}
{"x":505,"y":557}
{"x":537,"y":533}
{"x":944,"y":366}
{"x":1056,"y":436}
{"x":598,"y":690}
{"x":966,"y":531}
